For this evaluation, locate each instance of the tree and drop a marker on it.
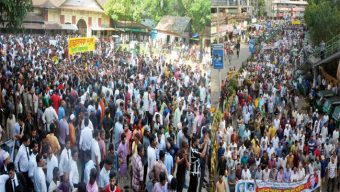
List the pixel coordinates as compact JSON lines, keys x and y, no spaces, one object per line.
{"x":125,"y":10}
{"x":200,"y":13}
{"x":134,"y":10}
{"x":12,"y":14}
{"x":323,"y":19}
{"x":262,"y":8}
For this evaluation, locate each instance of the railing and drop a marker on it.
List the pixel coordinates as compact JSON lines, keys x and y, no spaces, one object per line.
{"x":223,"y":3}
{"x":332,"y":46}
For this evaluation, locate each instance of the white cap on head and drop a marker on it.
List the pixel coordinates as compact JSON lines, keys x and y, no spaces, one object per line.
{"x":5,"y":155}
{"x":72,"y":116}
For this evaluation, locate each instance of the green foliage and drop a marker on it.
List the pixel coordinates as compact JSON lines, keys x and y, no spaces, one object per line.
{"x":262,"y":8}
{"x":134,"y":10}
{"x":199,"y":12}
{"x":232,"y":86}
{"x":124,"y":10}
{"x":323,"y":19}
{"x":12,"y":14}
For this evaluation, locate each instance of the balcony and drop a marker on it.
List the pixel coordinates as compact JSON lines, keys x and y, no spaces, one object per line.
{"x":216,"y":3}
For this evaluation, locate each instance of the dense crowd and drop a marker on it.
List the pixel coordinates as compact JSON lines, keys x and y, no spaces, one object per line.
{"x":100,"y":121}
{"x":268,"y":134}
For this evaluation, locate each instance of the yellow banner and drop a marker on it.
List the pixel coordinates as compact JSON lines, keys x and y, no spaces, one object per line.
{"x":81,"y":44}
{"x":296,"y":22}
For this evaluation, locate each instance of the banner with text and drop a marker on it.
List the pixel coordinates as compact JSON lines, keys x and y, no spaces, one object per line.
{"x":81,"y":44}
{"x":308,"y":184}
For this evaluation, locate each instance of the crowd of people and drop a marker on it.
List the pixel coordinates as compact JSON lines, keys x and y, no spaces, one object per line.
{"x":267,"y":134}
{"x":100,"y":121}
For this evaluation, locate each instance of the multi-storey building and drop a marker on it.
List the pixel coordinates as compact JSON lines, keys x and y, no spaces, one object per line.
{"x":233,"y":6}
{"x":286,"y":8}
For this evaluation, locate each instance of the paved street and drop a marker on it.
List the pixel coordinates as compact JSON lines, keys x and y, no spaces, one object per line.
{"x":215,"y":84}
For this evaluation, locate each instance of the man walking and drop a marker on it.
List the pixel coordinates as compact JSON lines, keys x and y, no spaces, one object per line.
{"x":332,"y":175}
{"x":138,"y":170}
{"x":195,"y":163}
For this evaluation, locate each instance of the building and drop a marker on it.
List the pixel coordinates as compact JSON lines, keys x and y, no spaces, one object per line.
{"x":286,"y":8}
{"x":87,"y":17}
{"x":132,"y":31}
{"x":233,"y":7}
{"x":174,"y":28}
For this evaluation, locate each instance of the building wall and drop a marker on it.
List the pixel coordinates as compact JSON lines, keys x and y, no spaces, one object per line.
{"x":67,"y":16}
{"x":286,"y":7}
{"x":163,"y":37}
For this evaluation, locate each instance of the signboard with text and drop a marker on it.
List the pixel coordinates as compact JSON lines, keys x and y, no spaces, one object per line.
{"x":81,"y":44}
{"x":310,"y":183}
{"x":218,"y":56}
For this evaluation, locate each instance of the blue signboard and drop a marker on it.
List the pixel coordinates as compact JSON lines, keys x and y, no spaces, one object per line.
{"x":218,"y":56}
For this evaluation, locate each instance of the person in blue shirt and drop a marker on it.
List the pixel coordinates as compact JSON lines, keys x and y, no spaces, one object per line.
{"x":244,"y":158}
{"x":61,"y":110}
{"x":220,"y":151}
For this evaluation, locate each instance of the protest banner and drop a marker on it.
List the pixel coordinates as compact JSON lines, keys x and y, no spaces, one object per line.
{"x":296,"y":22}
{"x":81,"y":44}
{"x":308,"y":184}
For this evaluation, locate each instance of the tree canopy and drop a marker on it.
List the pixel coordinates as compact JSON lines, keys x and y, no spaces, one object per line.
{"x":135,"y":10}
{"x":323,"y":19}
{"x":12,"y":14}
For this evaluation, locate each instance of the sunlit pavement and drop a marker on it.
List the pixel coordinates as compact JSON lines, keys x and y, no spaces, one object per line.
{"x":235,"y":62}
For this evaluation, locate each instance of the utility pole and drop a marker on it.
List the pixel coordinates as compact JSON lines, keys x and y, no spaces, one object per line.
{"x":257,"y":8}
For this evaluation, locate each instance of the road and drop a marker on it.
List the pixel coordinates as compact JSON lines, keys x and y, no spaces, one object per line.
{"x":236,"y":62}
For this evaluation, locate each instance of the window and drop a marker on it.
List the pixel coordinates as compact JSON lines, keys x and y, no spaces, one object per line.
{"x":62,"y":19}
{"x":99,"y":22}
{"x":90,"y":21}
{"x":73,"y":19}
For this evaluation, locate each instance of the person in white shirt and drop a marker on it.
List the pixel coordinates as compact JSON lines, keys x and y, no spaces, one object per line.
{"x":86,"y":122}
{"x":301,"y":172}
{"x":3,"y":179}
{"x":295,"y":175}
{"x":65,"y":158}
{"x":95,"y":150}
{"x":51,"y":163}
{"x":104,"y":176}
{"x":151,"y":154}
{"x":39,"y":175}
{"x":22,"y":157}
{"x":335,"y":136}
{"x":74,"y":173}
{"x":55,"y":181}
{"x":49,"y":116}
{"x":246,"y":175}
{"x":85,"y":140}
{"x":32,"y":163}
{"x":88,"y":166}
{"x":266,"y":173}
{"x":332,"y":174}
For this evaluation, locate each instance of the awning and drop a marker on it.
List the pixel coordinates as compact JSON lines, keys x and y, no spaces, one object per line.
{"x":136,"y":30}
{"x":103,"y":29}
{"x":71,"y":27}
{"x":52,"y":26}
{"x":33,"y":26}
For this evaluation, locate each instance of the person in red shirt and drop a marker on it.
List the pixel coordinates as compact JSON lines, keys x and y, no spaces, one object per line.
{"x":317,"y":152}
{"x":56,"y":100}
{"x":112,"y":186}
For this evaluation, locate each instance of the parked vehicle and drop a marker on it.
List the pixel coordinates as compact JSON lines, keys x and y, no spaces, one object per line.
{"x":330,"y":104}
{"x":321,"y":97}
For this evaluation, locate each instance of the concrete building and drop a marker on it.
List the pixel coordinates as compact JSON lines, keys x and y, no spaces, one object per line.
{"x":174,"y":28}
{"x":233,"y":7}
{"x":87,"y":17}
{"x":286,"y":8}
